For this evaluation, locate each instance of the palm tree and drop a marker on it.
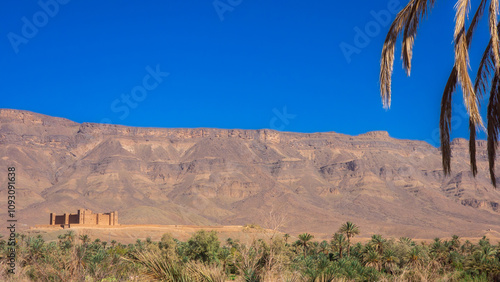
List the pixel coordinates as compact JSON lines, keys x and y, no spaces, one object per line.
{"x":372,"y":259}
{"x":439,"y":250}
{"x":455,"y":242}
{"x":323,"y":247}
{"x":378,"y":243}
{"x":286,"y":237}
{"x":85,"y":239}
{"x":350,"y":230}
{"x":406,"y":241}
{"x":483,"y":259}
{"x":484,"y":241}
{"x":70,"y":235}
{"x":338,"y":242}
{"x":390,"y":260}
{"x":304,"y":241}
{"x":467,"y":248}
{"x":414,"y":256}
{"x":488,"y":74}
{"x":487,"y":253}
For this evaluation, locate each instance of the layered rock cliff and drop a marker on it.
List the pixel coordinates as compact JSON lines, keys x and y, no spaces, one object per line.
{"x":217,"y":176}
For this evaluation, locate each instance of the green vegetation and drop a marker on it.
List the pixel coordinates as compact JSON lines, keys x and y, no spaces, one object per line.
{"x":350,"y":230}
{"x":205,"y":258}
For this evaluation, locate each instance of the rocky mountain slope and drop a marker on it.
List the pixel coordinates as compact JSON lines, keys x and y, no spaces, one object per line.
{"x":310,"y":182}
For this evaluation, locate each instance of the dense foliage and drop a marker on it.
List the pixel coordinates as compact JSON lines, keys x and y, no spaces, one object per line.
{"x":271,"y":258}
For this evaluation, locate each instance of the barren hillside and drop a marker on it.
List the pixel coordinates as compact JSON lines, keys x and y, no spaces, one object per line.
{"x":233,"y":177}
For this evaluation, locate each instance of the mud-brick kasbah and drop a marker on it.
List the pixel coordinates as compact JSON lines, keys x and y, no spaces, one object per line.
{"x":83,"y":218}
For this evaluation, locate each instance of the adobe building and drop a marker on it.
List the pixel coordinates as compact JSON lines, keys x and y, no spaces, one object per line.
{"x":84,"y":218}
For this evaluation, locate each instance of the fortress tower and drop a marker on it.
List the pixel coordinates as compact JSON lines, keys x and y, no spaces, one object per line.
{"x":85,"y":217}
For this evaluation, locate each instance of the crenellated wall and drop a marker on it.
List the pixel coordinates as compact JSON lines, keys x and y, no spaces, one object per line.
{"x":85,"y":217}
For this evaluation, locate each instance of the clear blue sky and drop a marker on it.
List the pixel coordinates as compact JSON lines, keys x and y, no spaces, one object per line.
{"x":236,"y":67}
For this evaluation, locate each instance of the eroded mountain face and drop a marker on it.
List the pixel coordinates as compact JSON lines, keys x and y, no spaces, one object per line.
{"x":216,"y":176}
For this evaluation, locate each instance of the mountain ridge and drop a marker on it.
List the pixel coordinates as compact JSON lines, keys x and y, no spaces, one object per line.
{"x":232,"y":176}
{"x":7,"y":115}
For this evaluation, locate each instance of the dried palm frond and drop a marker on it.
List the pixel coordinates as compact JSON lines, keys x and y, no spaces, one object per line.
{"x":418,"y":10}
{"x":462,"y":63}
{"x":387,"y":60}
{"x":493,"y":125}
{"x":472,"y":147}
{"x":475,"y":20}
{"x":484,"y":72}
{"x":408,"y":19}
{"x":483,"y":76}
{"x":494,"y":32}
{"x":486,"y":65}
{"x":445,"y":119}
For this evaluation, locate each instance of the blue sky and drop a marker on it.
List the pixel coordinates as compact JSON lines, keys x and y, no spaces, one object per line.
{"x":230,"y":63}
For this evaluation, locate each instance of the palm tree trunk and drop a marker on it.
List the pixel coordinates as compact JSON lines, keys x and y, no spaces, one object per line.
{"x":348,"y":245}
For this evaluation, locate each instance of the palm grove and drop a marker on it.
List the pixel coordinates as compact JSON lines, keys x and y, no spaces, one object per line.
{"x":487,"y":77}
{"x":263,"y":257}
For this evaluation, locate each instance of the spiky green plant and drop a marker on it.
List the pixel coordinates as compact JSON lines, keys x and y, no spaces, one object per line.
{"x":158,"y":267}
{"x":206,"y":272}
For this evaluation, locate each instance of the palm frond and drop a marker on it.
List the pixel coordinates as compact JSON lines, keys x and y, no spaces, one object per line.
{"x":462,"y":63}
{"x":445,"y":119}
{"x":486,"y":68}
{"x":484,"y":72}
{"x":475,"y":20}
{"x":158,"y":267}
{"x":208,"y":273}
{"x":387,"y":58}
{"x":493,"y":125}
{"x":494,"y":32}
{"x":472,"y":147}
{"x":418,"y":10}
